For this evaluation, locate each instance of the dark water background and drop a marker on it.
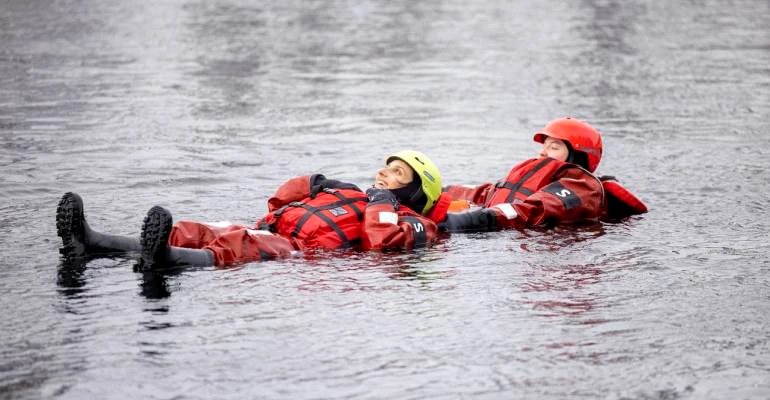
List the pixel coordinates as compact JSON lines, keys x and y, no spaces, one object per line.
{"x":205,"y":107}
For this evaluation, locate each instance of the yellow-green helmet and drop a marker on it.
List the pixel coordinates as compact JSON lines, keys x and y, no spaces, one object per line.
{"x":426,"y":170}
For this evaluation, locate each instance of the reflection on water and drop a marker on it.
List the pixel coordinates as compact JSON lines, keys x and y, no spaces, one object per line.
{"x":563,"y":289}
{"x":559,"y":237}
{"x":553,"y":281}
{"x":206,"y":107}
{"x":154,"y":285}
{"x":70,"y":277}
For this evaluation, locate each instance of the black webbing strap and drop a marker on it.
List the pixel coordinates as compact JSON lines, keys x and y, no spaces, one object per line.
{"x":508,"y":185}
{"x":277,"y":215}
{"x":352,"y":204}
{"x":317,"y":211}
{"x":264,"y":226}
{"x":516,"y":187}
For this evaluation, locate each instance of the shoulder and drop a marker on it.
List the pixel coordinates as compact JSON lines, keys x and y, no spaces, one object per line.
{"x":576,"y":173}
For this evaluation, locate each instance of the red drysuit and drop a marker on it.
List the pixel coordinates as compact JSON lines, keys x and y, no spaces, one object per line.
{"x":299,"y":218}
{"x":539,"y":191}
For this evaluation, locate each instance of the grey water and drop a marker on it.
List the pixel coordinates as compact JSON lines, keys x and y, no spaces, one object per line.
{"x":205,"y":107}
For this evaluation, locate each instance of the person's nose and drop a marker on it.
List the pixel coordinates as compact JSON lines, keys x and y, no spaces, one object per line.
{"x":543,"y":152}
{"x":382,"y":172}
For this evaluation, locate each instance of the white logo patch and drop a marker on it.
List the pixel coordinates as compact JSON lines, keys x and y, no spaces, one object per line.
{"x":219,"y":224}
{"x":338,"y":211}
{"x":257,"y":232}
{"x":508,"y":210}
{"x":389,"y":217}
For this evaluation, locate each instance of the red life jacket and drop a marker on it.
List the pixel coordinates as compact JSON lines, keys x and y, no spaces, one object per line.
{"x":524,"y":180}
{"x":331,"y":220}
{"x":621,"y":202}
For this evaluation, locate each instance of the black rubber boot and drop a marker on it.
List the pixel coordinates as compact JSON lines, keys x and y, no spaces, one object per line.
{"x":185,"y":256}
{"x":79,"y":240}
{"x":156,"y":253}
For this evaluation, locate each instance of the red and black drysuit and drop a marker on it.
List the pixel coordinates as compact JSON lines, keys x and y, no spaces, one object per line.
{"x":544,"y":191}
{"x":310,"y":212}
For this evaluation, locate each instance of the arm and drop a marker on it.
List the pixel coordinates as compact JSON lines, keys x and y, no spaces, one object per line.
{"x":385,"y":227}
{"x":295,"y":189}
{"x":574,"y":196}
{"x":474,"y":194}
{"x":301,"y":187}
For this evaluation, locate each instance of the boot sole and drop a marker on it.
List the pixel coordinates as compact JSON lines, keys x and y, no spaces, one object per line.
{"x":69,"y":224}
{"x":154,"y":239}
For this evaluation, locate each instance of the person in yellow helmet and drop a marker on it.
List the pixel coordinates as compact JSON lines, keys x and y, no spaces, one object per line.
{"x":401,"y":209}
{"x":424,"y":191}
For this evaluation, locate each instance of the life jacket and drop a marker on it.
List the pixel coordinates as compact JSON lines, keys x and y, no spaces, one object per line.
{"x":524,"y":180}
{"x":331,"y":220}
{"x":621,"y":202}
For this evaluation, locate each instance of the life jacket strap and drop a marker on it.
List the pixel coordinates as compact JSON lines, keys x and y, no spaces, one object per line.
{"x":277,"y":215}
{"x":311,"y":210}
{"x":516,"y":187}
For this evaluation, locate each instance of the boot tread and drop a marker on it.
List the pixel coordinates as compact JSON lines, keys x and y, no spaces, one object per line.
{"x":70,"y":225}
{"x":154,"y":239}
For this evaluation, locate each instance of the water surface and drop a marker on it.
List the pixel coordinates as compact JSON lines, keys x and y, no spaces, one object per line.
{"x":205,"y":107}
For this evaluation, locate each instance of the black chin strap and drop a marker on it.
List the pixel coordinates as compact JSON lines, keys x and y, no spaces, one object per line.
{"x":412,"y":195}
{"x":577,"y":157}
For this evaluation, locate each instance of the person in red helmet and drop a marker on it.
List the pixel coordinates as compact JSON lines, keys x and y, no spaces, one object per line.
{"x":556,"y":187}
{"x":401,"y":209}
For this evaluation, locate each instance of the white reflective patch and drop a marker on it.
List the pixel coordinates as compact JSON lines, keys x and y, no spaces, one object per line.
{"x":219,"y":224}
{"x":507,"y":209}
{"x":469,"y":186}
{"x":389,"y":217}
{"x":257,"y":232}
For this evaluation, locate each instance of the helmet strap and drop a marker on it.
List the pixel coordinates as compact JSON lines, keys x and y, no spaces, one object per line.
{"x":576,"y":157}
{"x":580,"y":158}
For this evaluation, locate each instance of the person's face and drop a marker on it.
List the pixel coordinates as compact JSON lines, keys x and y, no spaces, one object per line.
{"x":555,"y":149}
{"x":395,"y":175}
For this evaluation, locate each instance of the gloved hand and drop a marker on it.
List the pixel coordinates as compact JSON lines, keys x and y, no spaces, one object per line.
{"x":608,"y":178}
{"x":377,"y":196}
{"x":481,"y":220}
{"x":319,"y":182}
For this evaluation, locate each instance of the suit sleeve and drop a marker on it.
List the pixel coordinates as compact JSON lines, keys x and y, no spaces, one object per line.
{"x":574,"y":196}
{"x":385,"y":228}
{"x":295,"y":189}
{"x":474,"y":194}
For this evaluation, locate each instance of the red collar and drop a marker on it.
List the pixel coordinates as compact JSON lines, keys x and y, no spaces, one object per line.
{"x":438,"y":212}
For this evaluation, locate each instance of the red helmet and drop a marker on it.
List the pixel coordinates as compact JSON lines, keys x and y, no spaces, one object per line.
{"x":581,"y":136}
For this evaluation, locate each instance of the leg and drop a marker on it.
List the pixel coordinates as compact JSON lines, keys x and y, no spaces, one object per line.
{"x":236,"y":246}
{"x":247,"y":245}
{"x":196,"y":235}
{"x":156,"y":252}
{"x":239,"y":246}
{"x":78,"y":239}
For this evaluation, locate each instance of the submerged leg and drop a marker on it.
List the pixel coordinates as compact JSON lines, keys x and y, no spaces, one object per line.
{"x":157,"y":253}
{"x":78,"y":239}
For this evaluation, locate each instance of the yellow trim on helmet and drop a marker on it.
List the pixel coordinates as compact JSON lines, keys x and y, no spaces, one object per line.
{"x":428,"y":172}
